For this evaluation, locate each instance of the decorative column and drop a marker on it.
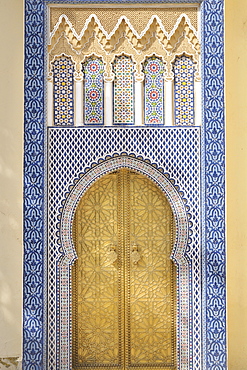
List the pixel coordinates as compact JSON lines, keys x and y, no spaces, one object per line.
{"x":139,"y":102}
{"x":78,"y":78}
{"x":108,"y":100}
{"x":50,"y":115}
{"x":169,"y":104}
{"x":198,"y":101}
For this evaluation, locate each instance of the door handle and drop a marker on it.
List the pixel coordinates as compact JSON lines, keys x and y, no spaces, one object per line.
{"x":111,"y":257}
{"x":135,"y":255}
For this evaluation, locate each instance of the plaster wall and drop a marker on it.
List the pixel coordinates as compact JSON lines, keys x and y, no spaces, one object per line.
{"x":236,"y":104}
{"x":11,"y":135}
{"x":11,"y":153}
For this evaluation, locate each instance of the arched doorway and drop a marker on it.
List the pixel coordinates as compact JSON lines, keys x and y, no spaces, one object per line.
{"x":123,"y":280}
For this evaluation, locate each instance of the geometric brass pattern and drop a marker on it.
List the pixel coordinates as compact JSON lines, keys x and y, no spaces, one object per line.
{"x":123,"y":280}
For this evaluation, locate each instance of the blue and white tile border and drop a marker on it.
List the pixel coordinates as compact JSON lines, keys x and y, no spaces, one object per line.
{"x":212,"y":197}
{"x":178,"y":254}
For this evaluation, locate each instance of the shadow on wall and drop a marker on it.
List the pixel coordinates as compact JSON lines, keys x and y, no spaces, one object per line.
{"x":10,"y":363}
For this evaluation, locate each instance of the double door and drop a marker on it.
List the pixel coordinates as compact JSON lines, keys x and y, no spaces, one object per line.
{"x":123,"y":281}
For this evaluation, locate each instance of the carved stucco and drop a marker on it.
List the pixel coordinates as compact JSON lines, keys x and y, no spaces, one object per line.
{"x":94,"y":39}
{"x":138,"y":17}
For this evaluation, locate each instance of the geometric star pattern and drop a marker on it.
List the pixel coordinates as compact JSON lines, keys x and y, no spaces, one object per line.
{"x":154,"y":91}
{"x":93,"y":70}
{"x":123,"y":68}
{"x":63,"y":85}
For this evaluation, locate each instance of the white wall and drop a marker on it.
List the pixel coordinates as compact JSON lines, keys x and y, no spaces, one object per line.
{"x":11,"y":144}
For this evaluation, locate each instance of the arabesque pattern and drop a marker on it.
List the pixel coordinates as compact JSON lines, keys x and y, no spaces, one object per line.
{"x":213,"y":215}
{"x":93,"y":70}
{"x":138,"y":16}
{"x":124,"y":38}
{"x":154,"y":91}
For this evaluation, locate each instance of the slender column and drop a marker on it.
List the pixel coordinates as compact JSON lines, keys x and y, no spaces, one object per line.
{"x":50,"y":108}
{"x":169,"y":103}
{"x":108,"y":101}
{"x":78,"y":100}
{"x":139,"y":116}
{"x":198,"y":103}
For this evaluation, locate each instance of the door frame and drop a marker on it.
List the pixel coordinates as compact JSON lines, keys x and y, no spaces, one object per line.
{"x":212,"y":182}
{"x":119,"y":206}
{"x":178,"y":255}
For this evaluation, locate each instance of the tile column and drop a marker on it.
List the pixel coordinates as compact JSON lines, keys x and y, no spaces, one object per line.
{"x":139,"y":100}
{"x":108,"y":100}
{"x":78,"y":99}
{"x":169,"y":102}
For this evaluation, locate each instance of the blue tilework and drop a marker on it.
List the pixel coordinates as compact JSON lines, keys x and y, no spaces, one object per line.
{"x":213,"y":177}
{"x":33,"y":280}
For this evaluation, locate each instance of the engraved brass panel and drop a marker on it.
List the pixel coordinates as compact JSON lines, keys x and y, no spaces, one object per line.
{"x":123,"y":280}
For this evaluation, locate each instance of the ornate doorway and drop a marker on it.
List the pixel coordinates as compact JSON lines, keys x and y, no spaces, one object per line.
{"x":124,"y":280}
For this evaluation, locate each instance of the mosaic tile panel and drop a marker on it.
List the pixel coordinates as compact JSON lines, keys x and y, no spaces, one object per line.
{"x":93,"y":70}
{"x":123,"y":68}
{"x":184,"y":91}
{"x":63,"y":85}
{"x":154,"y":91}
{"x":71,"y":151}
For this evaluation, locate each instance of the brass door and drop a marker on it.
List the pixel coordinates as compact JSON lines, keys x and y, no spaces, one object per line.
{"x":123,"y":280}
